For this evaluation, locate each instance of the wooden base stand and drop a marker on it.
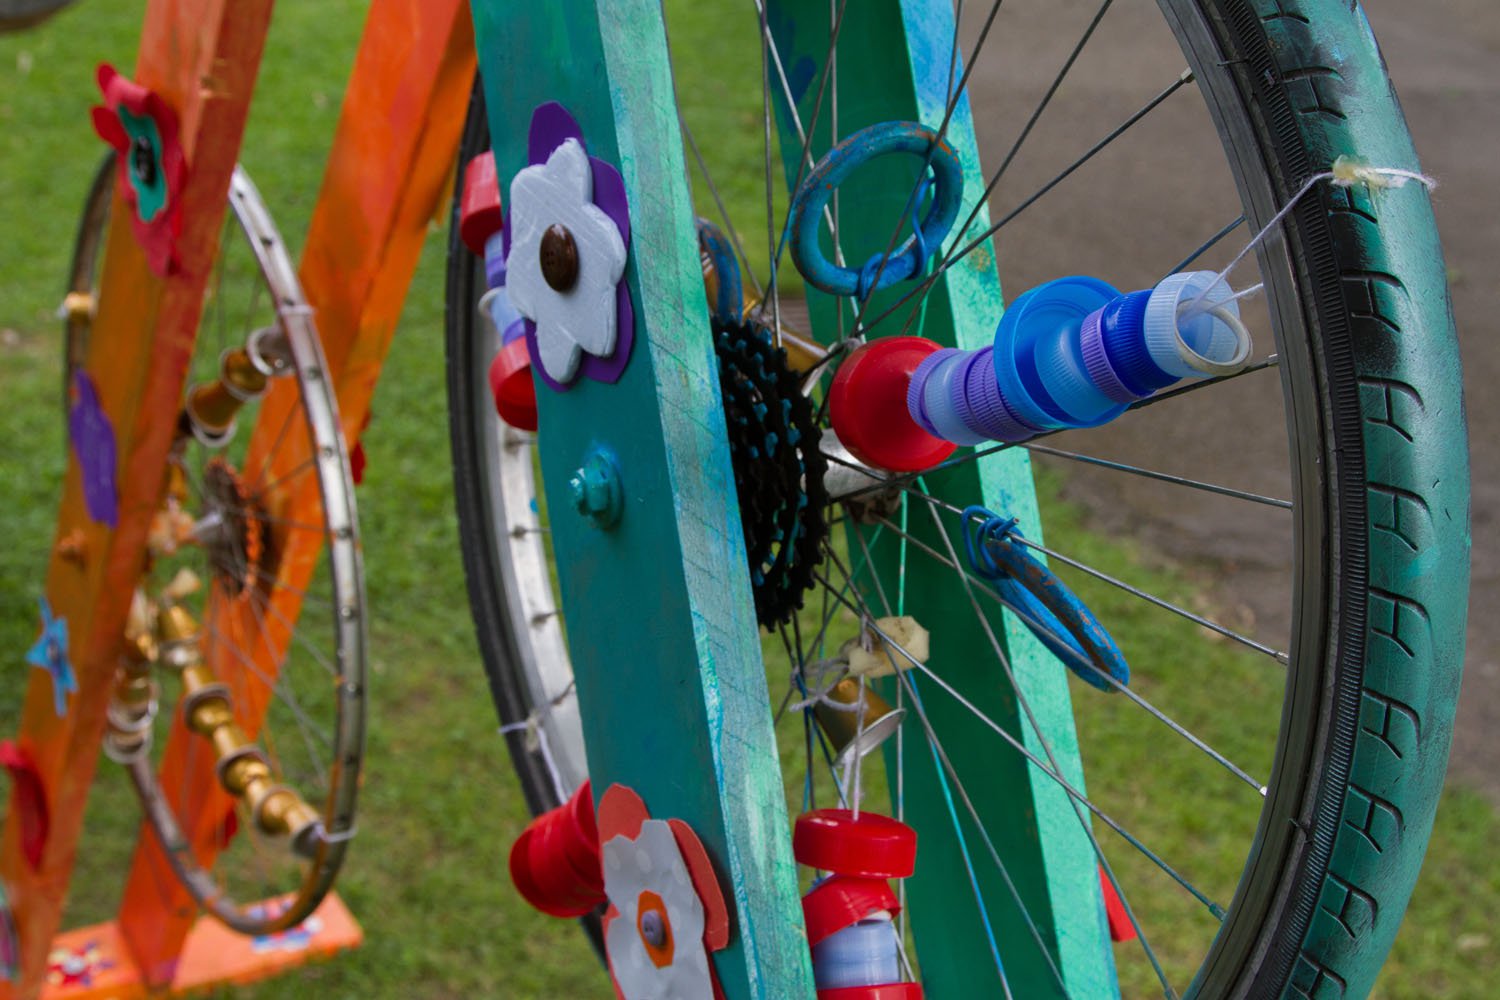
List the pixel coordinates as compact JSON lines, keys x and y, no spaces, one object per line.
{"x":91,"y":963}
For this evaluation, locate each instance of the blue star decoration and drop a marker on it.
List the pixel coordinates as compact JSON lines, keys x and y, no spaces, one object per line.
{"x":50,"y":653}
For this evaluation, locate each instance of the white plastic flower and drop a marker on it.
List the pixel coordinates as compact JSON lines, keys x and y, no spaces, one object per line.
{"x":580,"y":317}
{"x":655,"y":945}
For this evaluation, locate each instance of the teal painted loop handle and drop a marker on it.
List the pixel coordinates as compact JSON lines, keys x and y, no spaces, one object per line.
{"x":731,"y":296}
{"x":1055,"y":614}
{"x":908,"y":260}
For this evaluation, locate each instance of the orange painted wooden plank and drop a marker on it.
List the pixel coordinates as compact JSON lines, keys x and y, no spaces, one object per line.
{"x":92,"y":963}
{"x":201,"y":56}
{"x":388,"y":170}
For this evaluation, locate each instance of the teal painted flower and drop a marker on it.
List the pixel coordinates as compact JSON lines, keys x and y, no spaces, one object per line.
{"x":151,"y":168}
{"x":50,"y":653}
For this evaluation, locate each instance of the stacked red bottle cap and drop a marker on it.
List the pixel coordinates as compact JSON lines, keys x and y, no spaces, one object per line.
{"x":861,"y":854}
{"x":481,"y":219}
{"x":868,"y":409}
{"x":480,"y":214}
{"x":555,"y":862}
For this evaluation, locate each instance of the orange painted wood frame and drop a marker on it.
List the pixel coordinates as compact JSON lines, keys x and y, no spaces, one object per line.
{"x":202,"y":57}
{"x":391,"y":162}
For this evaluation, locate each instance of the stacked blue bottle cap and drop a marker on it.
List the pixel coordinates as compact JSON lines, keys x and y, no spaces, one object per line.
{"x":1074,"y":353}
{"x":865,"y":953}
{"x":495,"y":304}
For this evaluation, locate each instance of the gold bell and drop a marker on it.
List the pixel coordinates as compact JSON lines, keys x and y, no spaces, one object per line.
{"x":850,"y":727}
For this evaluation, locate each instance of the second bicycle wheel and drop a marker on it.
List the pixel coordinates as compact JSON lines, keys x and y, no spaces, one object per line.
{"x":1261,"y":794}
{"x":250,"y":613}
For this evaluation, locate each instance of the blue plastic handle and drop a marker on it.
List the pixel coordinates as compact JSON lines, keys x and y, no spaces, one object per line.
{"x":727,"y":304}
{"x":808,"y":204}
{"x":1055,"y":614}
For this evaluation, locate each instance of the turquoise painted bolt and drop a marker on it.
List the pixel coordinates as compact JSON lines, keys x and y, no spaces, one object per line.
{"x":595,"y":488}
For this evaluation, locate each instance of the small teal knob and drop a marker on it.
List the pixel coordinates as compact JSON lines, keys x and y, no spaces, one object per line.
{"x":595,"y":488}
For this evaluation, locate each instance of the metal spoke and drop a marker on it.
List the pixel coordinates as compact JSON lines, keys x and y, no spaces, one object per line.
{"x":953,"y":816}
{"x":1207,"y":245}
{"x":292,"y":630}
{"x":282,"y":687}
{"x":979,"y":204}
{"x":303,"y":595}
{"x":1032,"y":199}
{"x":1056,"y":768}
{"x":1124,"y":689}
{"x":944,"y":764}
{"x":956,"y":253}
{"x":276,"y":442}
{"x":765,"y":94}
{"x":713,"y":190}
{"x":903,"y":480}
{"x":296,"y":470}
{"x":833,"y":137}
{"x":951,"y":100}
{"x":271,"y":519}
{"x":1269,"y":361}
{"x":1075,"y":796}
{"x":287,"y":698}
{"x":1136,"y":470}
{"x":804,"y":158}
{"x":1197,"y":619}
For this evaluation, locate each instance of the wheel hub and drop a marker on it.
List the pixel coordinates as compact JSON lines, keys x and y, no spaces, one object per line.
{"x":232,"y":528}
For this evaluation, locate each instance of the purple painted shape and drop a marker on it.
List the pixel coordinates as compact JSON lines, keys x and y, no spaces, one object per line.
{"x":93,"y":439}
{"x":551,"y":126}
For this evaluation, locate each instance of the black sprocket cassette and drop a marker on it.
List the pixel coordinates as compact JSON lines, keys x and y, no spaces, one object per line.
{"x":778,"y":469}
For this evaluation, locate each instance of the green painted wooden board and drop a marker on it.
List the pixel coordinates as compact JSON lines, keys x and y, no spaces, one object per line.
{"x":659,"y":617}
{"x":895,"y":62}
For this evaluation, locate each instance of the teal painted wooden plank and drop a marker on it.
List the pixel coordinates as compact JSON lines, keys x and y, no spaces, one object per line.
{"x":894,"y":62}
{"x":658,"y":609}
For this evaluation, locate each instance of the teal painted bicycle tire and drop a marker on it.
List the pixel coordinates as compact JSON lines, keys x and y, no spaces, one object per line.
{"x":1394,"y":471}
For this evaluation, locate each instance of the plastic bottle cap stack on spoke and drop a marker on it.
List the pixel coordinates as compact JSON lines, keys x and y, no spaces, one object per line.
{"x":1071,"y":353}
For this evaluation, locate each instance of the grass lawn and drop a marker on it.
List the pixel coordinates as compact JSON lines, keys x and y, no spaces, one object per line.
{"x":440,"y":807}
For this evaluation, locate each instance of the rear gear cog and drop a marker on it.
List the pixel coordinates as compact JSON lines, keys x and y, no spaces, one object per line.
{"x":232,"y":529}
{"x":778,"y":469}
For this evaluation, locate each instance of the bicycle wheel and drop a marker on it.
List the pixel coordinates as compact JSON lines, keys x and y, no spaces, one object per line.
{"x":1329,"y":732}
{"x":17,"y":15}
{"x":256,"y":525}
{"x":80,"y":301}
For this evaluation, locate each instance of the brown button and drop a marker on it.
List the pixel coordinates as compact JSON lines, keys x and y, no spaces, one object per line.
{"x":559,"y":255}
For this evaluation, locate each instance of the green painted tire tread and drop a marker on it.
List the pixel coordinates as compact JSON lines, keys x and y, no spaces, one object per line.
{"x":1312,"y":72}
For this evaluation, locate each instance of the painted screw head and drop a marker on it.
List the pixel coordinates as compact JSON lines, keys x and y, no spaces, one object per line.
{"x":559,"y":257}
{"x":595,"y":488}
{"x":143,"y":160}
{"x":653,"y":929}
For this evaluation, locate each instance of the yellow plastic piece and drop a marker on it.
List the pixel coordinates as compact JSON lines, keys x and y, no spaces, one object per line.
{"x":904,"y":640}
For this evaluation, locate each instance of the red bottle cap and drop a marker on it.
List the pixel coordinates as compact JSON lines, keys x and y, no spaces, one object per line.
{"x":841,"y":901}
{"x":479,"y":213}
{"x":555,"y":862}
{"x":512,"y":387}
{"x":867,"y":406}
{"x":873,"y":846}
{"x":1120,"y":926}
{"x":888,"y":991}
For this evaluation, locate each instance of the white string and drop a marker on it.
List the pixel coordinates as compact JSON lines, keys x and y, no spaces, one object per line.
{"x":536,"y":734}
{"x":335,"y":838}
{"x":817,"y":691}
{"x":859,"y":752}
{"x":1346,"y":171}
